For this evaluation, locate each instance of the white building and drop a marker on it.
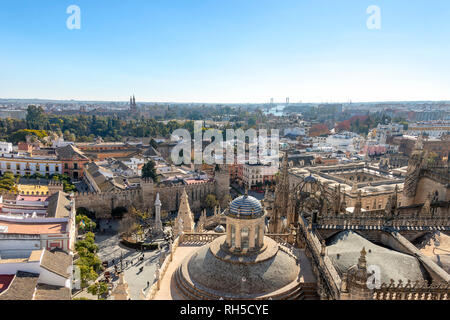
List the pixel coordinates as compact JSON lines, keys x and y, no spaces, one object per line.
{"x":54,"y":268}
{"x":296,"y":131}
{"x":22,"y":232}
{"x":6,"y":147}
{"x":252,"y":174}
{"x":344,"y":141}
{"x":434,"y":129}
{"x":382,"y":131}
{"x":22,"y":164}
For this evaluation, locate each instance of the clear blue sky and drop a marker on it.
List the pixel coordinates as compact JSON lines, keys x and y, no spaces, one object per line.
{"x":225,"y":50}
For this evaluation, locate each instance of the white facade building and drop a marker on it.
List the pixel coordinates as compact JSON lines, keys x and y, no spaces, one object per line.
{"x":252,"y":174}
{"x":37,"y":263}
{"x":6,"y":147}
{"x":23,"y":164}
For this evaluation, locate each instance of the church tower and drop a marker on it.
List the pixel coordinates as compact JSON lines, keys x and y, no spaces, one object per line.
{"x":133,"y":107}
{"x":415,"y":165}
{"x":281,"y":204}
{"x":222,"y":184}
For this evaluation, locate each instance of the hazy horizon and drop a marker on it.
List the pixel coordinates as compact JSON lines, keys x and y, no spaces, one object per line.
{"x":231,"y":51}
{"x":228,"y":103}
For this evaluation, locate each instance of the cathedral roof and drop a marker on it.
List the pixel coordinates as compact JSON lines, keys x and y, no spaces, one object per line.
{"x":245,"y":207}
{"x":344,"y":251}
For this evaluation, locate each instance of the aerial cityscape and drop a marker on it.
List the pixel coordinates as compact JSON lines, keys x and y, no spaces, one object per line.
{"x":133,"y":177}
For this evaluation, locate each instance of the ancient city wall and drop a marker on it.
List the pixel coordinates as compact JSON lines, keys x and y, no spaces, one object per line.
{"x":143,"y":198}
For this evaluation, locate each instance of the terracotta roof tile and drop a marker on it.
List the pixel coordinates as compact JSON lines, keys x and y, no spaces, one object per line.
{"x":48,"y":292}
{"x":57,"y":261}
{"x":22,"y":287}
{"x":34,"y":228}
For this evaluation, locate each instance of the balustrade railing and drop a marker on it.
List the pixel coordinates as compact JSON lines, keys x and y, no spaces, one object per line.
{"x":409,"y":291}
{"x":160,"y":273}
{"x":397,"y":222}
{"x":199,"y":237}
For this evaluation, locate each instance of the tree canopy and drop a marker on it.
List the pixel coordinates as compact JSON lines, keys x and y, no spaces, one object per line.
{"x":149,"y":171}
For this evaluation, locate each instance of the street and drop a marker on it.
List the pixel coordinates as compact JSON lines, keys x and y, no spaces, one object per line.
{"x":110,"y":248}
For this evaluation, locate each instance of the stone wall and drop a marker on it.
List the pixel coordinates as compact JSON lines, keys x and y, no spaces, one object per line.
{"x":143,"y":198}
{"x":429,"y":184}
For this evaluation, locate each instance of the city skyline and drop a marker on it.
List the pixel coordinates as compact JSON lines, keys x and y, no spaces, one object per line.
{"x":225,"y":52}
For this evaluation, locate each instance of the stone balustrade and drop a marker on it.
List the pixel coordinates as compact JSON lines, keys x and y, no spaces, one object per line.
{"x":281,"y":238}
{"x":400,"y":223}
{"x":323,"y":268}
{"x":199,"y":237}
{"x":409,"y":291}
{"x":162,"y":271}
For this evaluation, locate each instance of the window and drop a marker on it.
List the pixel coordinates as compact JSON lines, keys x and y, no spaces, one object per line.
{"x":8,"y":166}
{"x":256,"y":235}
{"x":66,"y":166}
{"x":244,"y":238}
{"x":38,"y":167}
{"x":56,"y":168}
{"x":75,"y":166}
{"x":47,"y":168}
{"x":233,"y":236}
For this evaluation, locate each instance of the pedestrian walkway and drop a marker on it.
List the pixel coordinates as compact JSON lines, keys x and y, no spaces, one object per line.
{"x":167,"y":289}
{"x":110,"y":248}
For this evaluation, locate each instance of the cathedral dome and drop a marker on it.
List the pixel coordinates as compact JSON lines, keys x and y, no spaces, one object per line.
{"x":209,"y":273}
{"x":245,"y":207}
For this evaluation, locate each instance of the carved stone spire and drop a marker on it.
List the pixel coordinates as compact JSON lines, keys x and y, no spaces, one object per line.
{"x":354,"y":187}
{"x":358,"y":205}
{"x":419,"y":143}
{"x":426,"y":209}
{"x":415,"y":164}
{"x":185,"y":213}
{"x":362,"y":263}
{"x":282,"y":199}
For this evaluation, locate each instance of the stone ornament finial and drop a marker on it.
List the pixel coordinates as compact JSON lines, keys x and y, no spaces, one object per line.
{"x":362,"y":259}
{"x":354,"y":188}
{"x":419,"y":143}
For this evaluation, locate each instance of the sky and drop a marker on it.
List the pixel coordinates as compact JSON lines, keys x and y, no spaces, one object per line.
{"x":229,"y":51}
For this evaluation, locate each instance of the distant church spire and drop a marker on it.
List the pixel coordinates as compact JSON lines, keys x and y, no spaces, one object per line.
{"x":132,"y":103}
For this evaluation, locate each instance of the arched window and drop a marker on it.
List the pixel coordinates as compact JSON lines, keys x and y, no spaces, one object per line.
{"x":244,"y":238}
{"x":256,"y":235}
{"x":233,"y":236}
